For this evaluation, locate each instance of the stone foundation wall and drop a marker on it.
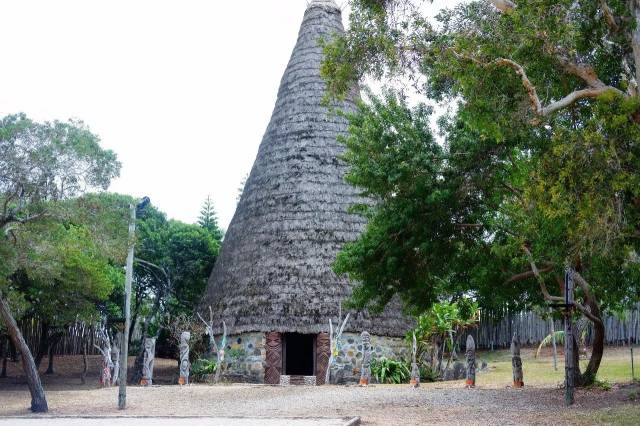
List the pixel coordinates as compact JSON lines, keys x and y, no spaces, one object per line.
{"x":346,"y":368}
{"x":246,"y":355}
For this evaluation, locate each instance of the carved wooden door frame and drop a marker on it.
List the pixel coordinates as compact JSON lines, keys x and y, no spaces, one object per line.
{"x":323,"y":352}
{"x":273,"y":361}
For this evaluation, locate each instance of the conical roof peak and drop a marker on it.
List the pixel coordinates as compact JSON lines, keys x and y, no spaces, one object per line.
{"x":323,"y":3}
{"x":274,"y":271}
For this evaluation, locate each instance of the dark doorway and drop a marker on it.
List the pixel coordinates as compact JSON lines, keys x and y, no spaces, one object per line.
{"x":299,"y":354}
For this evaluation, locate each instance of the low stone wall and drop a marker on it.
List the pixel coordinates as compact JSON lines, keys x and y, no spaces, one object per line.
{"x":245,"y":356}
{"x":346,"y":368}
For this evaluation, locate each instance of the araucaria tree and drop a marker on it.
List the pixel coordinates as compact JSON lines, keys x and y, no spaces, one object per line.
{"x":48,"y":251}
{"x":539,"y":170}
{"x":208,"y":219}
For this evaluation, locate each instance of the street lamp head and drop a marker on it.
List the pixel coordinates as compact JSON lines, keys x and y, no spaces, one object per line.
{"x":144,"y":202}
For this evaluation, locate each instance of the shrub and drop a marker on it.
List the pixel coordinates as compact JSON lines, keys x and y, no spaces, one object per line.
{"x":390,"y":371}
{"x":202,"y":367}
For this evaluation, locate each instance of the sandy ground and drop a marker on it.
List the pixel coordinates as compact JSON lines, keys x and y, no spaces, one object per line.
{"x":434,"y":403}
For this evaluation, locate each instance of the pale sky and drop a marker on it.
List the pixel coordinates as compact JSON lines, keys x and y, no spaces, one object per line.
{"x":181,"y":90}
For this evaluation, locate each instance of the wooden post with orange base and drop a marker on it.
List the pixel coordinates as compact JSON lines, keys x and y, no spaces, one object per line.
{"x":365,"y":371}
{"x":185,"y":366}
{"x":415,"y":371}
{"x":516,"y":363}
{"x":471,"y":362}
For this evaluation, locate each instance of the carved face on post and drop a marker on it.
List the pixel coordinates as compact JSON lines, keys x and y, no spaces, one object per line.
{"x":149,"y":355}
{"x":184,"y":338}
{"x":365,"y":373}
{"x":366,"y":347}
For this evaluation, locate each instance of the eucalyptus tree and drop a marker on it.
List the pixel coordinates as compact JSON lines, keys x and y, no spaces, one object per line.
{"x":43,"y":166}
{"x":540,"y":166}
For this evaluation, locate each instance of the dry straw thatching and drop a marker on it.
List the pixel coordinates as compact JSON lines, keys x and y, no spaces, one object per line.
{"x":274,"y":270}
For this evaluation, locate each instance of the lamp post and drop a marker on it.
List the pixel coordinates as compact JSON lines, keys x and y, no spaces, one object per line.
{"x":124,"y":351}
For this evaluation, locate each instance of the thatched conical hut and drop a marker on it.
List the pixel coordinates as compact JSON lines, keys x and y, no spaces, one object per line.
{"x":272,"y":283}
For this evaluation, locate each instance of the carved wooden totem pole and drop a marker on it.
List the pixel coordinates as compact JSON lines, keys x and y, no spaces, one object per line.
{"x":516,"y":363}
{"x":149,"y":358}
{"x":471,"y":362}
{"x":185,"y":366}
{"x":105,"y":351}
{"x":415,"y":371}
{"x":115,"y":358}
{"x":365,"y":372}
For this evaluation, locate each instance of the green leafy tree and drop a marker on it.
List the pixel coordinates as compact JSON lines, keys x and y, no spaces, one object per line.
{"x":540,"y":164}
{"x":43,"y":167}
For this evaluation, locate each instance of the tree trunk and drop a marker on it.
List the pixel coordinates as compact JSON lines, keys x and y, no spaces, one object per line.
{"x":13,"y":351}
{"x":50,"y":358}
{"x":38,"y":399}
{"x":52,"y":345}
{"x":589,"y":375}
{"x":43,"y":344}
{"x":85,"y":365}
{"x":4,"y":348}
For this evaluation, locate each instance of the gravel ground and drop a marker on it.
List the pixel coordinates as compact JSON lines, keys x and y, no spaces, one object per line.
{"x":434,"y":403}
{"x":167,"y":421}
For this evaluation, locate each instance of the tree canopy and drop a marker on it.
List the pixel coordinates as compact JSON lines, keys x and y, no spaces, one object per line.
{"x":539,"y":165}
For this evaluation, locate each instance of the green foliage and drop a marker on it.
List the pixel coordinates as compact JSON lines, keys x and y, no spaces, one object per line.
{"x":387,"y":370}
{"x":428,"y":374}
{"x":445,"y":319}
{"x":600,"y":384}
{"x":59,"y":248}
{"x":395,"y":161}
{"x":203,"y":367}
{"x":236,"y":354}
{"x":562,"y":184}
{"x":185,"y":253}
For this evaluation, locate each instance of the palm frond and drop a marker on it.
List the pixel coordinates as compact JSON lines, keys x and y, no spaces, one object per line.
{"x":559,"y":335}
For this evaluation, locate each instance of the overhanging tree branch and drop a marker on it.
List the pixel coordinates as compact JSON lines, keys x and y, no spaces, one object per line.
{"x":536,"y":273}
{"x":609,"y":17}
{"x":503,"y":5}
{"x":583,"y":72}
{"x":527,"y":274}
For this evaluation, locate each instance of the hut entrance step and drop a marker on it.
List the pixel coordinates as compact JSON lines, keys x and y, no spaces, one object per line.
{"x":299,"y":352}
{"x":286,"y":380}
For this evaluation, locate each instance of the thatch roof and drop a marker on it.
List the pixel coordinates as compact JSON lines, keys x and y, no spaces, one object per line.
{"x":274,"y":270}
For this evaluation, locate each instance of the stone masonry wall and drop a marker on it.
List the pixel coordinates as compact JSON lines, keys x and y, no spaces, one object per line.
{"x":346,"y":368}
{"x":245,"y":356}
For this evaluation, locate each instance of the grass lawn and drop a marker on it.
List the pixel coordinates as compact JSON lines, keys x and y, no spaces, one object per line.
{"x":615,"y":371}
{"x":615,"y":367}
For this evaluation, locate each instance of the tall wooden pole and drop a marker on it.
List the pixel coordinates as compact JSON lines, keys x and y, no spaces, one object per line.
{"x":553,"y":341}
{"x":633,"y":373}
{"x":569,"y":360}
{"x":124,"y":351}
